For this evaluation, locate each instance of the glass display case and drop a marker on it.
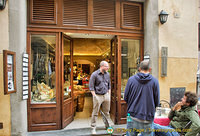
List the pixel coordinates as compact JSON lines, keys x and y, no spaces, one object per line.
{"x":43,"y":75}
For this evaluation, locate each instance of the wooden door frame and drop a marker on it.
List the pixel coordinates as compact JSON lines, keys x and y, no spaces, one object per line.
{"x":58,"y":65}
{"x":114,"y":71}
{"x":120,"y":102}
{"x":50,"y":126}
{"x":63,"y":36}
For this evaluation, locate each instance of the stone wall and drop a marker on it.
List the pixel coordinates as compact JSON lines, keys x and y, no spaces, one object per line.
{"x":180,"y":35}
{"x":5,"y":116}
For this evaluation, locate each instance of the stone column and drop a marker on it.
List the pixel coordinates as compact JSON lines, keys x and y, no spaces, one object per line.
{"x":151,"y":34}
{"x":17,"y":36}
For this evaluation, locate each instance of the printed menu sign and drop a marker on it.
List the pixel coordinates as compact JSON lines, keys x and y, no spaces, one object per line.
{"x":25,"y":84}
{"x":9,"y":71}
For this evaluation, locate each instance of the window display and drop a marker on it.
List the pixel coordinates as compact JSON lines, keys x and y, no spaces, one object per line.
{"x":43,"y":75}
{"x":130,"y":53}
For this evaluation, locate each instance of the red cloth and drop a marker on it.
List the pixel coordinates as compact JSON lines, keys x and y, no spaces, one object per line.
{"x":162,"y":121}
{"x":199,"y":112}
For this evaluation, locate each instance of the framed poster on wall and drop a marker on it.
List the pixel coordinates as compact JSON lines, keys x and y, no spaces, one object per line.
{"x":9,"y":68}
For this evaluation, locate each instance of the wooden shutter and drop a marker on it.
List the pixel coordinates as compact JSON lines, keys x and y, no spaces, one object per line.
{"x":43,"y":11}
{"x":131,"y":14}
{"x":75,"y":12}
{"x":104,"y":13}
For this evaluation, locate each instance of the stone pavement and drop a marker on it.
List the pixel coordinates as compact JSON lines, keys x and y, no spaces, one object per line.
{"x":79,"y":132}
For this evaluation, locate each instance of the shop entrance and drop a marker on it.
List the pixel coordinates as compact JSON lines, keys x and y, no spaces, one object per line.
{"x":60,"y":68}
{"x":81,"y":55}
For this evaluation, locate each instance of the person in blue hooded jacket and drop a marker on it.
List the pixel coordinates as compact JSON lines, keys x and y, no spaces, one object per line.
{"x":142,"y":95}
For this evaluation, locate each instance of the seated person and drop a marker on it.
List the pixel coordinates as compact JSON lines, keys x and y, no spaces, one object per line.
{"x":180,"y":115}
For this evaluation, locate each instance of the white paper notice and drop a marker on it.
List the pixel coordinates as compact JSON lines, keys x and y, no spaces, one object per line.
{"x":25,"y":64}
{"x":25,"y":83}
{"x":25,"y":55}
{"x":25,"y":69}
{"x":25,"y":97}
{"x":9,"y":59}
{"x":25,"y":87}
{"x":25,"y":78}
{"x":25,"y":73}
{"x":25,"y":92}
{"x":25,"y":60}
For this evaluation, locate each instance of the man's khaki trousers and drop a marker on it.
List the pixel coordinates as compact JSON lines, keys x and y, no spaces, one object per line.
{"x":99,"y":100}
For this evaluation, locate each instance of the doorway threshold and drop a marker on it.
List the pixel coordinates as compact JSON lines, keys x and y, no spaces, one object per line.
{"x":83,"y":119}
{"x":83,"y":123}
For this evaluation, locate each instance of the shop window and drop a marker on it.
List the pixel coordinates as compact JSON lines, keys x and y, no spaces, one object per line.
{"x":43,"y":74}
{"x":130,"y":54}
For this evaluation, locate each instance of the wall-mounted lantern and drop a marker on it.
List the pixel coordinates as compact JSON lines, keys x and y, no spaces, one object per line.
{"x":163,"y":17}
{"x":2,"y":4}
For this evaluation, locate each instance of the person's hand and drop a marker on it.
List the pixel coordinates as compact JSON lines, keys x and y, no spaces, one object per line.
{"x":109,"y":92}
{"x":93,"y":93}
{"x":177,"y":106}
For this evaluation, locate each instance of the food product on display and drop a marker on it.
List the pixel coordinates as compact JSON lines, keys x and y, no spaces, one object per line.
{"x":78,"y":88}
{"x":43,"y":92}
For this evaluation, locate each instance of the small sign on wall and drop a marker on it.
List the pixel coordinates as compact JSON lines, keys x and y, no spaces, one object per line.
{"x":25,"y":83}
{"x":9,"y":68}
{"x":176,"y":94}
{"x":164,"y":55}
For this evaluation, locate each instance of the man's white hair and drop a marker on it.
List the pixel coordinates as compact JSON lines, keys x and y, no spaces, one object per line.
{"x":102,"y":63}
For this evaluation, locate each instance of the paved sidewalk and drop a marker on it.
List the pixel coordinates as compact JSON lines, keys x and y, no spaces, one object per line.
{"x":101,"y":131}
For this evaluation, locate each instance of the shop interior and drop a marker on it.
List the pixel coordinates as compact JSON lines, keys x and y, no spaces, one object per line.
{"x":88,"y":52}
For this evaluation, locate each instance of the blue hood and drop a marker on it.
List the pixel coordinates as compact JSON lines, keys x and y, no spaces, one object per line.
{"x":143,"y":78}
